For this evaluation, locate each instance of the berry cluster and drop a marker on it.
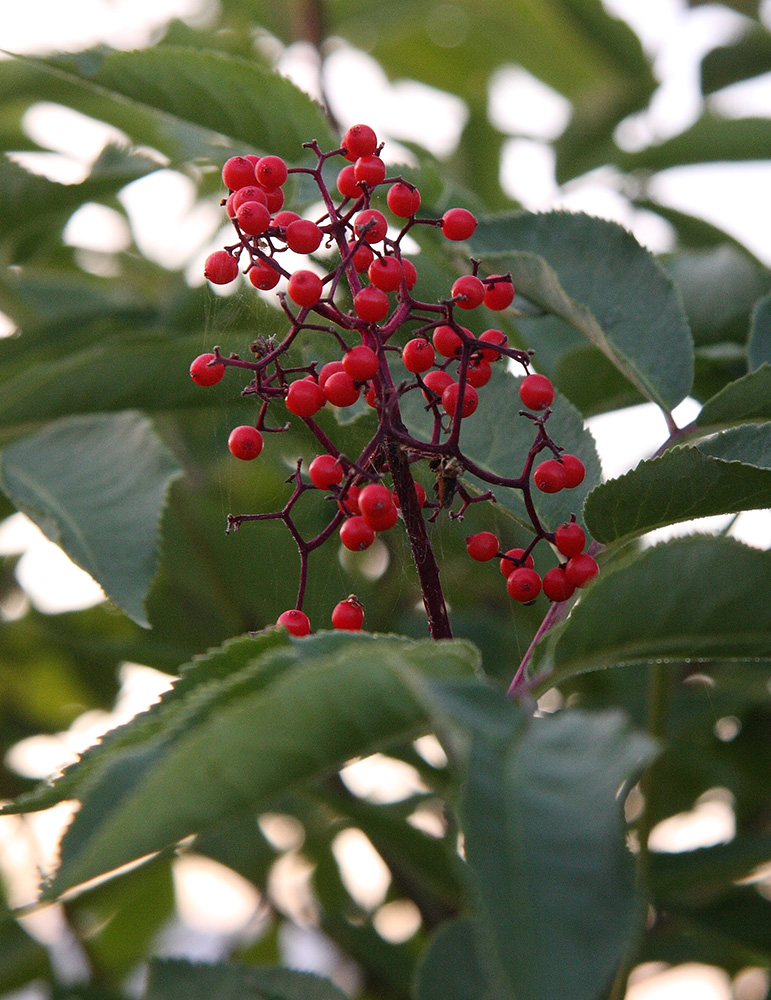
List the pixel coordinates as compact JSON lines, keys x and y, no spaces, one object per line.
{"x":438,"y":357}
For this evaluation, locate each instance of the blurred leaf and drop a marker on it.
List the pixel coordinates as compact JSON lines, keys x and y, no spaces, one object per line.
{"x":177,"y":979}
{"x":594,"y":275}
{"x":747,"y":58}
{"x":696,"y":620}
{"x":710,"y":140}
{"x":450,"y":968}
{"x":22,"y":958}
{"x":97,"y":486}
{"x":708,"y":869}
{"x":759,"y":347}
{"x":743,"y":401}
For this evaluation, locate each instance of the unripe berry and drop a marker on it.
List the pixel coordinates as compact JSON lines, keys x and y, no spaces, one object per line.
{"x":203,"y":373}
{"x":450,"y":399}
{"x":356,"y":534}
{"x":371,"y":305}
{"x":237,"y":172}
{"x":369,"y":169}
{"x":500,"y":292}
{"x":570,"y":538}
{"x":348,"y":614}
{"x":263,"y":276}
{"x":471,"y":291}
{"x":437,"y":381}
{"x":508,"y":563}
{"x":370,"y":225}
{"x":359,"y":140}
{"x":304,"y":398}
{"x":220,"y":268}
{"x":403,"y":200}
{"x":536,"y":392}
{"x":550,"y":476}
{"x":253,"y":218}
{"x":245,"y":442}
{"x":447,"y":342}
{"x":340,"y":389}
{"x":325,"y":471}
{"x":418,"y":355}
{"x":295,"y":622}
{"x":305,"y":288}
{"x":574,"y":470}
{"x":556,"y":585}
{"x":523,"y":585}
{"x":458,"y":224}
{"x":386,"y":273}
{"x":271,"y":172}
{"x":361,"y":363}
{"x":483,"y":546}
{"x":303,"y":236}
{"x":581,"y":569}
{"x":493,"y":337}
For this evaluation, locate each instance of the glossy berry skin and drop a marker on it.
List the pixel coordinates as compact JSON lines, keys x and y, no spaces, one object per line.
{"x":403,"y":200}
{"x":450,"y":399}
{"x":370,"y":225}
{"x":328,"y":370}
{"x":359,"y":140}
{"x":508,"y":566}
{"x":263,"y":276}
{"x":536,"y":392}
{"x":249,"y":193}
{"x":348,"y":615}
{"x":550,"y":476}
{"x":202,"y":373}
{"x":471,"y":292}
{"x":237,"y":172}
{"x":245,"y":442}
{"x":383,"y":521}
{"x":446,"y":341}
{"x":340,"y":389}
{"x":347,"y":184}
{"x":295,"y":622}
{"x":283,"y":219}
{"x":361,"y":363}
{"x":483,"y":546}
{"x":386,"y":273}
{"x":369,"y":170}
{"x":418,"y":355}
{"x":375,"y":499}
{"x":371,"y":304}
{"x":493,"y":337}
{"x":303,"y":236}
{"x":458,"y":224}
{"x":437,"y":381}
{"x":479,"y":373}
{"x":271,"y":172}
{"x":275,"y":199}
{"x":556,"y":585}
{"x":253,"y":218}
{"x":220,"y":268}
{"x":581,"y":569}
{"x":305,"y":397}
{"x":305,"y":288}
{"x":349,"y":501}
{"x":570,"y":539}
{"x":499,"y":294}
{"x":523,"y":584}
{"x":362,"y":257}
{"x":356,"y":534}
{"x":325,"y":471}
{"x":574,"y":469}
{"x":410,"y":273}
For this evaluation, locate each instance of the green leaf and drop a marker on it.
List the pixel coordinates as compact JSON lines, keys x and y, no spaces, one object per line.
{"x":177,"y":979}
{"x":450,"y":968}
{"x":710,"y":140}
{"x":595,"y":276}
{"x":97,"y":486}
{"x":728,"y":473}
{"x":748,"y":57}
{"x":708,"y":869}
{"x":693,"y":599}
{"x":22,"y":958}
{"x":745,"y":400}
{"x":244,"y":724}
{"x":759,"y":347}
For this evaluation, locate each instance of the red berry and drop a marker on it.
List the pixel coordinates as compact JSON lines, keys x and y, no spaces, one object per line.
{"x":329,"y":369}
{"x":410,"y":273}
{"x":370,"y":397}
{"x":347,"y":184}
{"x":550,"y":476}
{"x":471,"y":291}
{"x":359,"y":140}
{"x":325,"y":471}
{"x":263,"y":276}
{"x":220,"y":268}
{"x":349,"y":501}
{"x":581,"y":569}
{"x":370,"y":225}
{"x":203,"y":373}
{"x":499,"y":293}
{"x":436,"y":381}
{"x":483,"y":546}
{"x":295,"y":622}
{"x":271,"y":172}
{"x":356,"y":534}
{"x":340,"y":389}
{"x":375,"y":499}
{"x":523,"y":584}
{"x":371,"y":305}
{"x":420,"y":493}
{"x":447,"y":342}
{"x":303,"y":236}
{"x":275,"y":199}
{"x":556,"y":585}
{"x":237,"y":172}
{"x":245,"y":442}
{"x":536,"y":392}
{"x":574,"y":469}
{"x":418,"y":355}
{"x":508,"y":563}
{"x":458,"y":224}
{"x":362,"y":256}
{"x":570,"y":538}
{"x":253,"y":218}
{"x":403,"y":200}
{"x":305,"y":398}
{"x":386,"y":273}
{"x":493,"y":337}
{"x":384,"y":521}
{"x":369,"y":169}
{"x":450,"y":399}
{"x":348,"y":614}
{"x":479,"y":373}
{"x":361,"y":363}
{"x":249,"y":193}
{"x":305,"y":288}
{"x":283,"y":219}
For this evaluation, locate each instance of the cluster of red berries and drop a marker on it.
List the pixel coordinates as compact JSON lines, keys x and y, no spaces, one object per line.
{"x":443,"y":359}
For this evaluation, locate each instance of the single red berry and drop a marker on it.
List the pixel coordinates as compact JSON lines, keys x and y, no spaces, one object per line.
{"x":410,"y":273}
{"x":493,"y":337}
{"x":275,"y":199}
{"x":349,"y":501}
{"x":361,"y":363}
{"x":325,"y":471}
{"x":570,"y":538}
{"x":303,"y":236}
{"x":203,"y":373}
{"x":556,"y":585}
{"x":369,"y":169}
{"x":447,"y":341}
{"x":305,"y":288}
{"x":550,"y":476}
{"x":340,"y":389}
{"x":437,"y":381}
{"x":375,"y":499}
{"x":574,"y":469}
{"x":419,"y":492}
{"x":356,"y":534}
{"x":458,"y":224}
{"x":253,"y":218}
{"x":271,"y":172}
{"x":499,"y":292}
{"x":418,"y":355}
{"x":512,"y":560}
{"x":536,"y":392}
{"x":330,"y":368}
{"x":450,"y":399}
{"x":220,"y":268}
{"x":237,"y":172}
{"x":384,"y":521}
{"x":263,"y":276}
{"x":523,"y":585}
{"x":283,"y":219}
{"x":249,"y":193}
{"x":386,"y":273}
{"x":403,"y":200}
{"x":471,"y":291}
{"x":347,"y":184}
{"x":371,"y":305}
{"x":305,"y":397}
{"x":348,"y":614}
{"x":483,"y":546}
{"x":295,"y":622}
{"x":370,"y":396}
{"x":479,"y":373}
{"x":362,"y":256}
{"x":581,"y":569}
{"x":370,"y":225}
{"x":359,"y":140}
{"x":245,"y":442}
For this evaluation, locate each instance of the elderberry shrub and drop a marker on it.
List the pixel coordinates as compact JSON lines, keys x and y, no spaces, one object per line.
{"x":442,"y":359}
